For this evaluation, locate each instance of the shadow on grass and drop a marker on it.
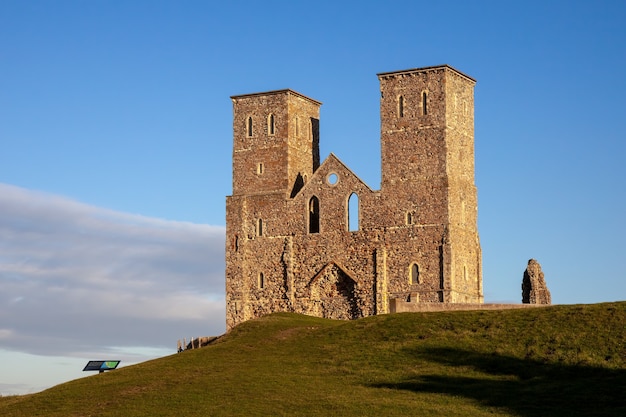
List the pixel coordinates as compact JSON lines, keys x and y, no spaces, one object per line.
{"x":522,"y":386}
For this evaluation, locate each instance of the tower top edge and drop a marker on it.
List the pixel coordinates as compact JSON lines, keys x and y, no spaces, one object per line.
{"x":424,"y":69}
{"x":286,"y":91}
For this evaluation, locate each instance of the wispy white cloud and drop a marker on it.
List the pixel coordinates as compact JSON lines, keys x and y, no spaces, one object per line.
{"x":76,"y":280}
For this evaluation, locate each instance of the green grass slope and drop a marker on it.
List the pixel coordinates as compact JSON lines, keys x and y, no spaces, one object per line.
{"x":553,"y":361}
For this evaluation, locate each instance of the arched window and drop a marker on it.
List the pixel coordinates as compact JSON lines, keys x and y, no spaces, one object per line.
{"x":249,"y":127}
{"x":414,"y":274}
{"x":314,"y":215}
{"x":270,"y":124}
{"x":353,"y":212}
{"x":259,"y":228}
{"x":401,"y":106}
{"x":261,"y":282}
{"x":424,"y":103}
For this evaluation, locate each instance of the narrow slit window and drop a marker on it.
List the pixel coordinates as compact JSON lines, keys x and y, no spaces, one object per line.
{"x":259,"y":228}
{"x":270,"y":124}
{"x":424,"y":103}
{"x":314,"y":215}
{"x":401,"y":106}
{"x":415,"y":274}
{"x":260,"y":168}
{"x":261,"y":282}
{"x":249,"y":127}
{"x":353,"y":212}
{"x":409,"y":218}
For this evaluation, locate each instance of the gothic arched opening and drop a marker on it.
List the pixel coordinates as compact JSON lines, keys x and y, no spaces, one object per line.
{"x":333,"y":295}
{"x":314,"y":215}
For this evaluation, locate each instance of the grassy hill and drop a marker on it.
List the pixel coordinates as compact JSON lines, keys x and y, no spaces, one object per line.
{"x":553,"y":361}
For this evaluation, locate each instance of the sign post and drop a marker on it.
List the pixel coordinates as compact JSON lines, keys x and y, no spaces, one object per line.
{"x":101,"y":366}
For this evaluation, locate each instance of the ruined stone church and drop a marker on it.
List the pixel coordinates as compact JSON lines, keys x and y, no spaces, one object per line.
{"x":310,"y":237}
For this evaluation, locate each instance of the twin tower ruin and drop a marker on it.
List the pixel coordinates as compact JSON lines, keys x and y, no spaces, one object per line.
{"x":311,"y":237}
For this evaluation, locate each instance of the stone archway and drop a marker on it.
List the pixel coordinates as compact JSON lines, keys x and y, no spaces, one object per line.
{"x":333,"y":294}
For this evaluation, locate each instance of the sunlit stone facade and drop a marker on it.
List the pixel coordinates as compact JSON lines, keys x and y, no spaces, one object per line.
{"x":312,"y":238}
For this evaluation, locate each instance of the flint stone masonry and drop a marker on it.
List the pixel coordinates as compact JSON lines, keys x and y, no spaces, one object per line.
{"x":534,"y":288}
{"x":289,"y":243}
{"x":401,"y":306}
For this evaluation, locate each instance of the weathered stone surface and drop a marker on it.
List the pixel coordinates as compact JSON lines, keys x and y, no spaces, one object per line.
{"x":534,"y":288}
{"x":290,"y":245}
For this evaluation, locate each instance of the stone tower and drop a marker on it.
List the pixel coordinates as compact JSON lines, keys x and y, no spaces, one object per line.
{"x":427,"y":142}
{"x":292,"y":243}
{"x":275,"y":142}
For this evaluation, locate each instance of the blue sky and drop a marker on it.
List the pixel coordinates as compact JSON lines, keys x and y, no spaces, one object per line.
{"x":116,"y":140}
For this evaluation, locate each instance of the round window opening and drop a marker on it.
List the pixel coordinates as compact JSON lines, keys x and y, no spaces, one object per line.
{"x":332,"y":178}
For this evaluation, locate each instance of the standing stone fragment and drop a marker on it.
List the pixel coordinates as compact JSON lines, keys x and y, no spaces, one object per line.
{"x":534,"y":288}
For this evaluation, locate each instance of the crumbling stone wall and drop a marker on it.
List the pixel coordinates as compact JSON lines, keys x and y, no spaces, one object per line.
{"x":534,"y":288}
{"x":289,"y":244}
